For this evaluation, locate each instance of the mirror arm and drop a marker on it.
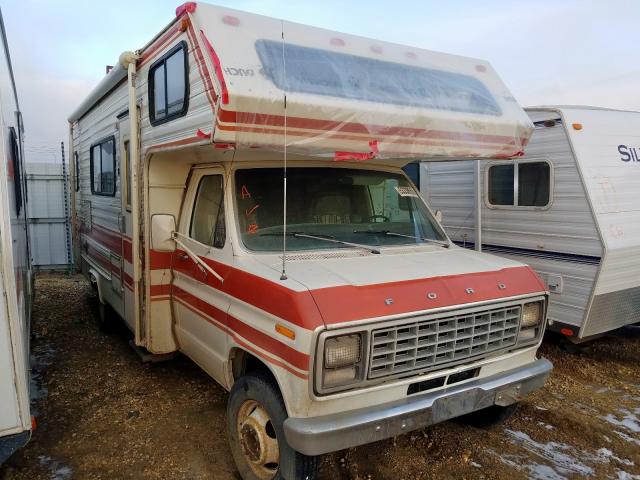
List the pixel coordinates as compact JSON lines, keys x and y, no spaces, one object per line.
{"x":194,"y":257}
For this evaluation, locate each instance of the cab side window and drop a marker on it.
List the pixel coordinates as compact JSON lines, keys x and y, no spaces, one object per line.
{"x":207,"y":220}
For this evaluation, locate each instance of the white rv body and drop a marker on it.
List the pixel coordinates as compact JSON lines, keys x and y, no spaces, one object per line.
{"x":15,"y":269}
{"x":231,"y":306}
{"x":585,"y":244}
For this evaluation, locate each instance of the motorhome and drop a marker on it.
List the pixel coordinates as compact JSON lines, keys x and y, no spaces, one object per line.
{"x":15,"y":268}
{"x":239,"y":197}
{"x":568,"y":208}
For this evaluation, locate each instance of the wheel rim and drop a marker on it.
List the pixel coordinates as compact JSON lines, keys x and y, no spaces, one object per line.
{"x":257,"y":439}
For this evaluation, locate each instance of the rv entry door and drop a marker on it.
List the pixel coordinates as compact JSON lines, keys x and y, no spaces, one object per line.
{"x":126,"y":225}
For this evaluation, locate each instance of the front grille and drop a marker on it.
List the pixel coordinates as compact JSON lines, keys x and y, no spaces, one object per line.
{"x":425,"y":344}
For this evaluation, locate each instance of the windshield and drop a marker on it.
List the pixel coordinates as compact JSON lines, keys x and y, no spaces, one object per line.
{"x":330,"y":208}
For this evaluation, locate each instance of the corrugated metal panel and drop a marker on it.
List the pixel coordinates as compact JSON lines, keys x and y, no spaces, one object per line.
{"x":47,"y":218}
{"x":566,"y":229}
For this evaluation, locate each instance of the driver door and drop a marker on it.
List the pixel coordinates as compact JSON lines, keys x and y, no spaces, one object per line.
{"x":199,"y":304}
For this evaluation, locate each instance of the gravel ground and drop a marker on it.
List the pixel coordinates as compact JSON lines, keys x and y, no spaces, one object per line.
{"x":103,"y":414}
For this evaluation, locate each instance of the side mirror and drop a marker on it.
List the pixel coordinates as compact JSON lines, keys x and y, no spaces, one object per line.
{"x":162,"y":228}
{"x":439,"y":216}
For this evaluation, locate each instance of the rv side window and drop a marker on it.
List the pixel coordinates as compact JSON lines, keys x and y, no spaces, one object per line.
{"x":521,"y":184}
{"x":103,"y":167}
{"x":207,"y":220}
{"x":17,"y":171}
{"x":169,"y":86}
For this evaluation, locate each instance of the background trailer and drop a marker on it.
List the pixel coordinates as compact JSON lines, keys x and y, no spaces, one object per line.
{"x":569,"y":208}
{"x":15,"y":269}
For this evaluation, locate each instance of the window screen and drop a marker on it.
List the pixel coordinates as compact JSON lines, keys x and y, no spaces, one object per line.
{"x":526,"y":184}
{"x":207,"y":220}
{"x":501,"y":184}
{"x":103,"y":168}
{"x":534,"y":182}
{"x":168,"y":86}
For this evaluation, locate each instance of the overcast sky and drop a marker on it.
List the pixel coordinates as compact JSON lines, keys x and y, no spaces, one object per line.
{"x":547,"y":51}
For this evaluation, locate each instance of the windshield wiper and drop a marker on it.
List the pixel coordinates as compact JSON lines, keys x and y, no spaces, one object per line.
{"x":396,"y":234}
{"x":326,"y":238}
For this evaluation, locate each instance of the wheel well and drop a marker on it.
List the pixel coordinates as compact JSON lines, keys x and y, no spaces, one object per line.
{"x":243,"y":362}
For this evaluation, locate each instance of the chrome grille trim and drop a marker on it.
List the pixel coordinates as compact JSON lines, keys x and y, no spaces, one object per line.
{"x":451,"y":338}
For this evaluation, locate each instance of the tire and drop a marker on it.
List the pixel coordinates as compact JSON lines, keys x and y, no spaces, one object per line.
{"x":489,"y":417}
{"x":254,"y":398}
{"x":107,"y":321}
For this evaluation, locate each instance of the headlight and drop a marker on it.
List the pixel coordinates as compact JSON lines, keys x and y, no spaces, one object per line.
{"x":531,"y":315}
{"x":342,"y":360}
{"x":342,"y":351}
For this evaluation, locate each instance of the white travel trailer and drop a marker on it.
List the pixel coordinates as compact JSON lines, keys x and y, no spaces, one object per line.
{"x":239,"y":197}
{"x":568,"y":208}
{"x":15,"y":269}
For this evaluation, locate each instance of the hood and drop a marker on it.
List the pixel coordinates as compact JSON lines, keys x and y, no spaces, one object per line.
{"x":350,"y":286}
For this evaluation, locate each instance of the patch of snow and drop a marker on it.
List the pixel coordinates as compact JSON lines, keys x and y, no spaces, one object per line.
{"x":558,"y":454}
{"x":477,"y":465}
{"x":626,"y":437}
{"x":629,"y":420}
{"x":546,"y":426}
{"x":57,"y":470}
{"x":622,"y":475}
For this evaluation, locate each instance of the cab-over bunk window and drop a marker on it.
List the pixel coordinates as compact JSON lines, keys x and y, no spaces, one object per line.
{"x":169,"y":86}
{"x":103,"y":167}
{"x":519,"y":184}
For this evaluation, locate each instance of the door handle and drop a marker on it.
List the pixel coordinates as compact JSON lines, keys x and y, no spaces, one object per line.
{"x":183,"y":257}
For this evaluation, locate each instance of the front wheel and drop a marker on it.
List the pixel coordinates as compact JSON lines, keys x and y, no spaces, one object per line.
{"x":489,"y":417}
{"x":255,"y":418}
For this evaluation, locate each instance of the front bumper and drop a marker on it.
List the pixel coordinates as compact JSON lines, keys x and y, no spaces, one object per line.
{"x":318,"y":435}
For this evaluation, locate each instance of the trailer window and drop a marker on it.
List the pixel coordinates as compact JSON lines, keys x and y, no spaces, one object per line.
{"x":169,"y":86}
{"x":17,"y":170}
{"x":103,"y":167}
{"x":207,"y":220}
{"x":519,"y":184}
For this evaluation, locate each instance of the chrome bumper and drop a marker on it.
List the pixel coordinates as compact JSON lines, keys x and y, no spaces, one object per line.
{"x":318,"y":435}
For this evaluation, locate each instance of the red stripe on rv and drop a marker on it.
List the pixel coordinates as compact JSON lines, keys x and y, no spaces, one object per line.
{"x":202,"y":67}
{"x":260,"y":339}
{"x":154,"y":49}
{"x":348,"y":303}
{"x":251,"y":118}
{"x":224,"y":93}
